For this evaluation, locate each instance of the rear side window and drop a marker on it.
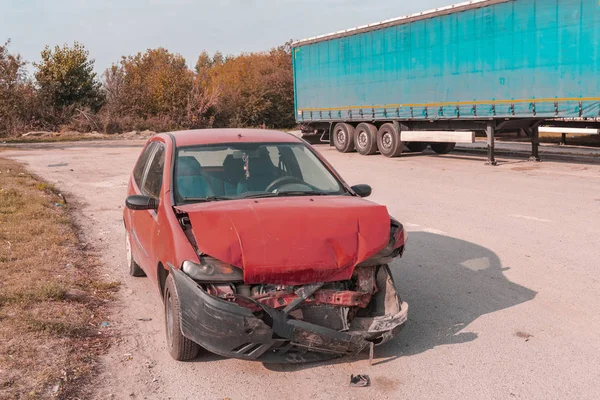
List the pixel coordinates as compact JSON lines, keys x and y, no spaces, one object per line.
{"x":138,"y":171}
{"x":153,"y":180}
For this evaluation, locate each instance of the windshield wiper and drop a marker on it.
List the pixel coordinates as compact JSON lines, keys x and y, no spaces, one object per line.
{"x":257,"y":195}
{"x":283,"y":194}
{"x":301,"y":193}
{"x":206,"y":199}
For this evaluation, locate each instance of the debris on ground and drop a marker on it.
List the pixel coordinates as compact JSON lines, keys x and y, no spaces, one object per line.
{"x":524,"y":335}
{"x":360,"y":380}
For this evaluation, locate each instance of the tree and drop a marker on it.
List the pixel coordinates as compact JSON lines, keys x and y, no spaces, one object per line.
{"x":256,"y":89}
{"x":66,"y":81}
{"x":154,"y":85}
{"x":204,"y":64}
{"x":16,"y":93}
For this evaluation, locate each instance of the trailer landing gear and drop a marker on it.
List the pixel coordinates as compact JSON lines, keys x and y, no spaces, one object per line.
{"x":490,"y":132}
{"x":535,"y":144}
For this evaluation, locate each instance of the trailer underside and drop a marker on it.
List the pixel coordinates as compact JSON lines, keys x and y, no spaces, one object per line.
{"x":323,"y":130}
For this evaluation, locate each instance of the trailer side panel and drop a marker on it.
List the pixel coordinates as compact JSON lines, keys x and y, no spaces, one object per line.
{"x":514,"y":59}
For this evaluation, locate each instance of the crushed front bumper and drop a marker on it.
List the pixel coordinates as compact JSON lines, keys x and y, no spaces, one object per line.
{"x":231,"y":330}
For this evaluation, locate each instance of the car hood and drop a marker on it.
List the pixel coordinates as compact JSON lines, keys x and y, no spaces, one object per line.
{"x":291,"y":240}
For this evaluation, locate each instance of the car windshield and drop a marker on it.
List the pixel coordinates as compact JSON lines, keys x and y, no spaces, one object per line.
{"x":245,"y":170}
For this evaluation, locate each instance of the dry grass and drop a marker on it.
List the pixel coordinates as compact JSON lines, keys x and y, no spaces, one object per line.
{"x":51,"y":300}
{"x":57,"y":138}
{"x":575,"y":140}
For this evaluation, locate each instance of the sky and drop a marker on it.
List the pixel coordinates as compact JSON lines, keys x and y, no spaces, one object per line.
{"x":110,"y":29}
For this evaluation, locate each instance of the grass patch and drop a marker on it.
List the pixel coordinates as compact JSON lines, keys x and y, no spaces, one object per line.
{"x":57,"y":138}
{"x":52,"y":300}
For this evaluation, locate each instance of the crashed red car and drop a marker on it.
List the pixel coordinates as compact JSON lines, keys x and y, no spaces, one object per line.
{"x":259,"y":249}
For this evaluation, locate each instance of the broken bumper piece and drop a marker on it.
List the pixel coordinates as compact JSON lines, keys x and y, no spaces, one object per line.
{"x":231,"y":330}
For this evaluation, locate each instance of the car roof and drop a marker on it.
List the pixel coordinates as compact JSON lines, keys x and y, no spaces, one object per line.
{"x":218,"y":136}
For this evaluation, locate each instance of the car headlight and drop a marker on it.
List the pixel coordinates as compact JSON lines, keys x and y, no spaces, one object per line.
{"x":212,"y":270}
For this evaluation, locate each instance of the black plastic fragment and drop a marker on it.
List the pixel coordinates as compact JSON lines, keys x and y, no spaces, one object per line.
{"x":360,"y":380}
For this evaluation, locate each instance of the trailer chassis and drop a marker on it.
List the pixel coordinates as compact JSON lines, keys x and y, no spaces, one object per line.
{"x":528,"y":126}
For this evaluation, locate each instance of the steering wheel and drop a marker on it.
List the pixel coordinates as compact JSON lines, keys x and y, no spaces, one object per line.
{"x":284,"y":180}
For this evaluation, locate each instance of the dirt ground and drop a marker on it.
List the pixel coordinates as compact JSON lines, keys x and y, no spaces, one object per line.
{"x":500,"y":272}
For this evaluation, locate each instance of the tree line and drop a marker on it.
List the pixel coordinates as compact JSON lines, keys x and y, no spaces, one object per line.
{"x":153,"y":90}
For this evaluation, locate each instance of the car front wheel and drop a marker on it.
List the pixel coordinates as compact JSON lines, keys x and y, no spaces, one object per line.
{"x":180,"y":347}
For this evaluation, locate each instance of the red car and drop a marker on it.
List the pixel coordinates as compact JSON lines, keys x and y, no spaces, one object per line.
{"x":259,"y":249}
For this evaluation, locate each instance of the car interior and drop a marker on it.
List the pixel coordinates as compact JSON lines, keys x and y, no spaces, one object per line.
{"x":194,"y":181}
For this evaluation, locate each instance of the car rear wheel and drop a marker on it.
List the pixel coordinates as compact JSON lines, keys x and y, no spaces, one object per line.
{"x":365,"y":139}
{"x":417,"y":147}
{"x":134,"y":268}
{"x":180,"y":347}
{"x":389,"y":141}
{"x":343,"y":137}
{"x":442,"y":148}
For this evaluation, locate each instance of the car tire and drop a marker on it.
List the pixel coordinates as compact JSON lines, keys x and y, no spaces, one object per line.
{"x":343,"y":137}
{"x":442,"y":148}
{"x":417,"y":147}
{"x":134,"y":268}
{"x":365,"y":139}
{"x":180,"y":347}
{"x":389,"y":141}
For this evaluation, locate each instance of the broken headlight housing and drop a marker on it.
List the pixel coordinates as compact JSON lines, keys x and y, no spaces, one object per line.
{"x":212,"y":270}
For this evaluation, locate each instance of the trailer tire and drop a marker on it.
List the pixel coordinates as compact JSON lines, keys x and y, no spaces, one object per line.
{"x":365,"y":139}
{"x":417,"y":147}
{"x":343,"y":137}
{"x":389,"y":141}
{"x":442,"y":148}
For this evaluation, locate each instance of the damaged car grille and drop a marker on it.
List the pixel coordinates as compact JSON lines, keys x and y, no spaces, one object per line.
{"x":331,"y":305}
{"x":292,"y":324}
{"x":331,"y":317}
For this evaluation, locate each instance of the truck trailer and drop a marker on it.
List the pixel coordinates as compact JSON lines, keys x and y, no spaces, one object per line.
{"x":435,"y":78}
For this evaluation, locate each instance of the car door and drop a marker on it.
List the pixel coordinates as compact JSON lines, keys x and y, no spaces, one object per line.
{"x":146,"y":221}
{"x":135,"y":184}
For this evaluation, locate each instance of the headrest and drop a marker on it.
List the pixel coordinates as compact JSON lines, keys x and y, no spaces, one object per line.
{"x":188,"y":166}
{"x":233,"y":167}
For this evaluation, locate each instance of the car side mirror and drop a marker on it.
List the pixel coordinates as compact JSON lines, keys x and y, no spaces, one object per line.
{"x":362,"y":190}
{"x":139,"y":202}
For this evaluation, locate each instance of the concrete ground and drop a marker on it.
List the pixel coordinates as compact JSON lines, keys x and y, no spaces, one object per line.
{"x":500,"y":272}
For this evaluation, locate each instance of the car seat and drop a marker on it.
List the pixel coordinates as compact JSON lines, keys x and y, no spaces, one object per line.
{"x":235,"y":180}
{"x":262,"y":171}
{"x":190,"y":180}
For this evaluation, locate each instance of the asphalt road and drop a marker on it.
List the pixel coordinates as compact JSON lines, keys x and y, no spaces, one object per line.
{"x":500,"y":271}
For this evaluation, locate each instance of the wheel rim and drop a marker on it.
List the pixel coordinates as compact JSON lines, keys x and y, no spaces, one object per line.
{"x":129,"y":256}
{"x":169,"y":312}
{"x":363,"y":139}
{"x":387,"y":141}
{"x":341,"y":137}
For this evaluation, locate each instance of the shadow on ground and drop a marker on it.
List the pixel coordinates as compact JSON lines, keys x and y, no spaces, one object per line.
{"x":448,"y":283}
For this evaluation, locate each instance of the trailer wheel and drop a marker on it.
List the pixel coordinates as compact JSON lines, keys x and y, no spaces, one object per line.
{"x":417,"y":147}
{"x":389,"y":141}
{"x":442,"y":148}
{"x":343,"y":137}
{"x":365,"y":139}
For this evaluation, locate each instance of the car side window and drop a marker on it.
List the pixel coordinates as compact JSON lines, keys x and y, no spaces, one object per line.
{"x":153,"y":181}
{"x":138,"y":171}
